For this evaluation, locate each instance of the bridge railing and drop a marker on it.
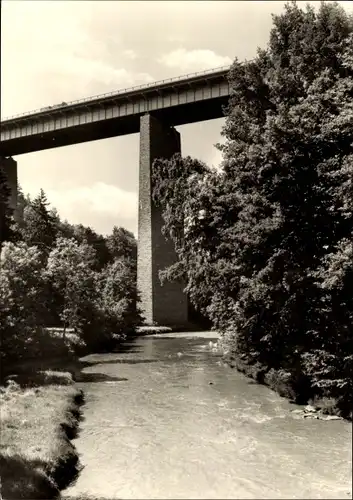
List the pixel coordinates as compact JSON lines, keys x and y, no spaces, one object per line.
{"x":120,"y":91}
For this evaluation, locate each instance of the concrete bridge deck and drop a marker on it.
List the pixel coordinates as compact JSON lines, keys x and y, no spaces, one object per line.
{"x":177,"y":101}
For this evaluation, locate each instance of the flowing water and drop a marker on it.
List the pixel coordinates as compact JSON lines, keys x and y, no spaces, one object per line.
{"x":166,"y":420}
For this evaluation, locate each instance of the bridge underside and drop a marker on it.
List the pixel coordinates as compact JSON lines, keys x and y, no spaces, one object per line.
{"x":102,"y":129}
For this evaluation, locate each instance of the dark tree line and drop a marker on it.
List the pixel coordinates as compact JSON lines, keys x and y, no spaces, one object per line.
{"x":266,"y":244}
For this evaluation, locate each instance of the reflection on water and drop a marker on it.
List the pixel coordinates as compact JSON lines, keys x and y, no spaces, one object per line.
{"x":167,"y":420}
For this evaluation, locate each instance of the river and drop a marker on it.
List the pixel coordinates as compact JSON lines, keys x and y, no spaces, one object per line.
{"x":165,"y":419}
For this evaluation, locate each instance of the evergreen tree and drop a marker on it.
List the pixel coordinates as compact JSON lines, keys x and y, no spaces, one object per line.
{"x":39,"y":226}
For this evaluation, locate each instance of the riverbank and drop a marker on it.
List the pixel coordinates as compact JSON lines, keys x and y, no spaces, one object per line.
{"x":37,"y":458}
{"x":298,"y":391}
{"x":280,"y":381}
{"x":40,"y":415}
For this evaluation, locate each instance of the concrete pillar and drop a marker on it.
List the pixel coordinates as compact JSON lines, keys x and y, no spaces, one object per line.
{"x":167,"y":304}
{"x":9,"y":167}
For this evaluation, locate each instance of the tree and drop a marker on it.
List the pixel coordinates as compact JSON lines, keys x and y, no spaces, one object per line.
{"x":122,"y":243}
{"x":39,"y":225}
{"x":70,"y":273}
{"x":83,"y":234}
{"x":269,"y":257}
{"x":184,"y":188}
{"x":117,"y":300}
{"x":288,"y":166}
{"x":23,"y":201}
{"x":22,"y":302}
{"x":66,"y":230}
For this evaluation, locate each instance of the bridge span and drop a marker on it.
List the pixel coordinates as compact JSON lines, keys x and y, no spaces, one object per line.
{"x":153,"y":110}
{"x":176,"y":101}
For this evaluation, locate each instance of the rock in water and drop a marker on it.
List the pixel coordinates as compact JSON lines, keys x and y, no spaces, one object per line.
{"x":310,"y":408}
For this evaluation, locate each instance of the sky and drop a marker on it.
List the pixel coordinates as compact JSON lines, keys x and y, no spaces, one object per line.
{"x":54,"y":51}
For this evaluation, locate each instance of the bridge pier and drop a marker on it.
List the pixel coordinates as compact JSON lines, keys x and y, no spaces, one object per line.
{"x":167,"y":304}
{"x":9,"y":168}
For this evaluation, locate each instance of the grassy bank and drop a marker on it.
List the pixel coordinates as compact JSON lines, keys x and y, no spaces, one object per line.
{"x":40,"y":414}
{"x":37,"y":459}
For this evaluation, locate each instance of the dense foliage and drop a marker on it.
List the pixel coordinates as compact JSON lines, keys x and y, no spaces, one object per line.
{"x":55,"y":274}
{"x":267,"y":243}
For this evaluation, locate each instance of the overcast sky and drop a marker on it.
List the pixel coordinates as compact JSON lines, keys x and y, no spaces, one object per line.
{"x":54,"y":51}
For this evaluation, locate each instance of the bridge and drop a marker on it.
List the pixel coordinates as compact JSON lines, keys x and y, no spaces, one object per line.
{"x":153,"y":110}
